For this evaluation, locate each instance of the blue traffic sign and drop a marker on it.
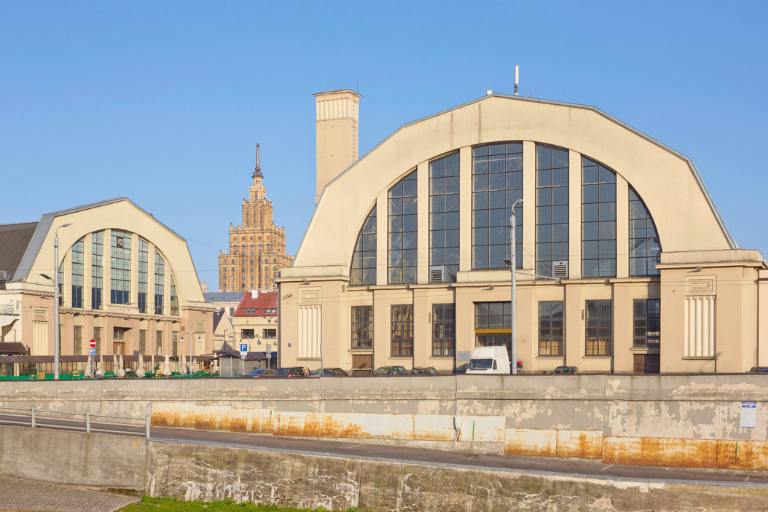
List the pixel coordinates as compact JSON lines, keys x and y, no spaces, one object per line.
{"x":243,"y":347}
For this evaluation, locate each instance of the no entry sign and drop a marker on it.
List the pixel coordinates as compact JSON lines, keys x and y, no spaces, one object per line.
{"x":92,"y":343}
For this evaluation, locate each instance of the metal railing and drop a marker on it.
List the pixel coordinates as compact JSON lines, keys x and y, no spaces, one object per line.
{"x":35,"y":417}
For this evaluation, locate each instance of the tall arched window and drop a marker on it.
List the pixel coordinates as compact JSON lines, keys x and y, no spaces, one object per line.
{"x":644,"y":246}
{"x":364,"y":257}
{"x":497,"y":182}
{"x":551,"y":211}
{"x":444,"y":218}
{"x":403,"y":230}
{"x":598,"y":220}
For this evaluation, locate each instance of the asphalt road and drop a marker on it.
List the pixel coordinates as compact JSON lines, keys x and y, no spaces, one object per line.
{"x":402,"y":454}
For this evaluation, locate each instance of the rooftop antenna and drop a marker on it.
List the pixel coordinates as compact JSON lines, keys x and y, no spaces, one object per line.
{"x":517,"y":79}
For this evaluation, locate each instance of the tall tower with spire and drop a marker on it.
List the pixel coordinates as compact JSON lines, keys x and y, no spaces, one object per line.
{"x":257,"y":246}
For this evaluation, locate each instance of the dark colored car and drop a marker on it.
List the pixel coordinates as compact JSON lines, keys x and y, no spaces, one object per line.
{"x":565,"y":370}
{"x":430,"y":371}
{"x":758,"y":369}
{"x":259,"y":373}
{"x":330,"y":372}
{"x":291,"y":372}
{"x":461,"y":370}
{"x":391,"y":371}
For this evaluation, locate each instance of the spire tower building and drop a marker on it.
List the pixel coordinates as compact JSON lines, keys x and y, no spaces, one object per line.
{"x":257,"y":246}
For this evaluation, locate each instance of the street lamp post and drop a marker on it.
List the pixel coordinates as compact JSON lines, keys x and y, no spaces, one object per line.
{"x":56,"y":298}
{"x":513,"y":271}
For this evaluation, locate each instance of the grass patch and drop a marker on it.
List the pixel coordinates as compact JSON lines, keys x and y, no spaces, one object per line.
{"x":171,"y":505}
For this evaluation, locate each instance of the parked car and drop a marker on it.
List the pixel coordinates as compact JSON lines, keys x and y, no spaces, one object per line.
{"x":429,"y":371}
{"x":461,"y":370}
{"x":758,"y":369}
{"x":391,"y":370}
{"x":565,"y":370}
{"x":330,"y":372}
{"x":293,"y":372}
{"x":489,"y":360}
{"x":260,"y":373}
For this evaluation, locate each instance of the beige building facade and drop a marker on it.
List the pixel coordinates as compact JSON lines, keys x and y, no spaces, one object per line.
{"x":126,"y":280}
{"x":623,"y":263}
{"x":257,"y":246}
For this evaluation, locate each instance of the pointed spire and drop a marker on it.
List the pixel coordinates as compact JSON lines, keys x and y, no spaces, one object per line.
{"x":257,"y":169}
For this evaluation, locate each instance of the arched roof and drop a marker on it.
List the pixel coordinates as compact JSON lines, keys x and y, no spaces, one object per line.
{"x":667,"y":181}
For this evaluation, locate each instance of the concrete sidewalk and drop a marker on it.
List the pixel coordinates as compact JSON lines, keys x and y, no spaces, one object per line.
{"x":24,"y":495}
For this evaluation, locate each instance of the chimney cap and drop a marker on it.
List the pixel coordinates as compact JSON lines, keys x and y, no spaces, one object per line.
{"x":337,"y":91}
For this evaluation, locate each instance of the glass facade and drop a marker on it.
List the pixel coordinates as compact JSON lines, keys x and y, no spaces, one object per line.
{"x":599,"y":328}
{"x":647,"y":323}
{"x":159,"y":283}
{"x":644,"y":246}
{"x":78,"y":273}
{"x":403,"y":228}
{"x":492,"y":324}
{"x":551,"y":328}
{"x":97,"y":269}
{"x":364,"y":257}
{"x":443,"y":330}
{"x":402,"y":330}
{"x":174,"y":299}
{"x":143,"y":274}
{"x":551,"y":208}
{"x":121,"y":267}
{"x":444,"y":218}
{"x":598,"y":220}
{"x":362,"y":327}
{"x":497,"y":182}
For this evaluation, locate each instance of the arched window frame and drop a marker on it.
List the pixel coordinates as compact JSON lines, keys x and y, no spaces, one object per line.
{"x":363,"y":264}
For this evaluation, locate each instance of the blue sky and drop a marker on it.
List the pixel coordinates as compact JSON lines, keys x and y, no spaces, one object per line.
{"x":163,"y":102}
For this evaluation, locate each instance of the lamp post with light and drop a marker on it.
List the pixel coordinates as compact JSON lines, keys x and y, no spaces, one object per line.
{"x":56,"y":299}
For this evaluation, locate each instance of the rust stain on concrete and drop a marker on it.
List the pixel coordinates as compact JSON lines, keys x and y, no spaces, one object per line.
{"x":694,"y":453}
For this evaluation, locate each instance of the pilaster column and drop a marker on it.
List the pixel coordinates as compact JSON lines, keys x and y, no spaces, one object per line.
{"x":465,"y":209}
{"x":382,"y":238}
{"x":574,"y":214}
{"x":422,"y":208}
{"x":529,"y":205}
{"x":622,"y":227}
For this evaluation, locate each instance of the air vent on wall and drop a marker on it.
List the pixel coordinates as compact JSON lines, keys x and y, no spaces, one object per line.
{"x":560,"y":269}
{"x":437,"y":274}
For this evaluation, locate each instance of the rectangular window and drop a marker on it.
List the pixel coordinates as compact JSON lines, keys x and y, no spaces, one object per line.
{"x":159,"y":283}
{"x":497,"y":182}
{"x":551,"y":208}
{"x":78,"y":273}
{"x":599,"y":324}
{"x":247,"y":334}
{"x":78,"y":340}
{"x":270,"y":334}
{"x":551,"y":328}
{"x":402,"y":330}
{"x":97,"y":269}
{"x":647,"y":323}
{"x":121,"y":267}
{"x":362,"y":327}
{"x":443,"y":330}
{"x":97,"y":339}
{"x":174,"y":343}
{"x":143,"y":274}
{"x":598,"y":220}
{"x":444,"y":218}
{"x":403,"y":231}
{"x":118,"y":333}
{"x":142,"y":341}
{"x":159,"y":343}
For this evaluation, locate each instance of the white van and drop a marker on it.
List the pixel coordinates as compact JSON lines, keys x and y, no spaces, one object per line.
{"x":489,"y":360}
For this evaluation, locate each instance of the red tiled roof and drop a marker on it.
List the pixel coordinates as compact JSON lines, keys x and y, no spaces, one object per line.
{"x":265,"y":304}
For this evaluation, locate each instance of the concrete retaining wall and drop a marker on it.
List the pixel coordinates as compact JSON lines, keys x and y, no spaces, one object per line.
{"x":198,"y":472}
{"x":687,"y":420}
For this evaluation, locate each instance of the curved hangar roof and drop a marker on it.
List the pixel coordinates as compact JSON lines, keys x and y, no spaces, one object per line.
{"x":668,"y":183}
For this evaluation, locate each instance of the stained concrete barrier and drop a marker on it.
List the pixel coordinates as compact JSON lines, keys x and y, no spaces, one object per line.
{"x":200,"y":472}
{"x":666,"y":420}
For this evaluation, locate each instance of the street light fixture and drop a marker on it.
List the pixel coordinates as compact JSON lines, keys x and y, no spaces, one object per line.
{"x":56,"y":298}
{"x":513,"y":271}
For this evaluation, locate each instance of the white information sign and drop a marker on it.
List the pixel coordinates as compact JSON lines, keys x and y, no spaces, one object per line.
{"x":748,"y":414}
